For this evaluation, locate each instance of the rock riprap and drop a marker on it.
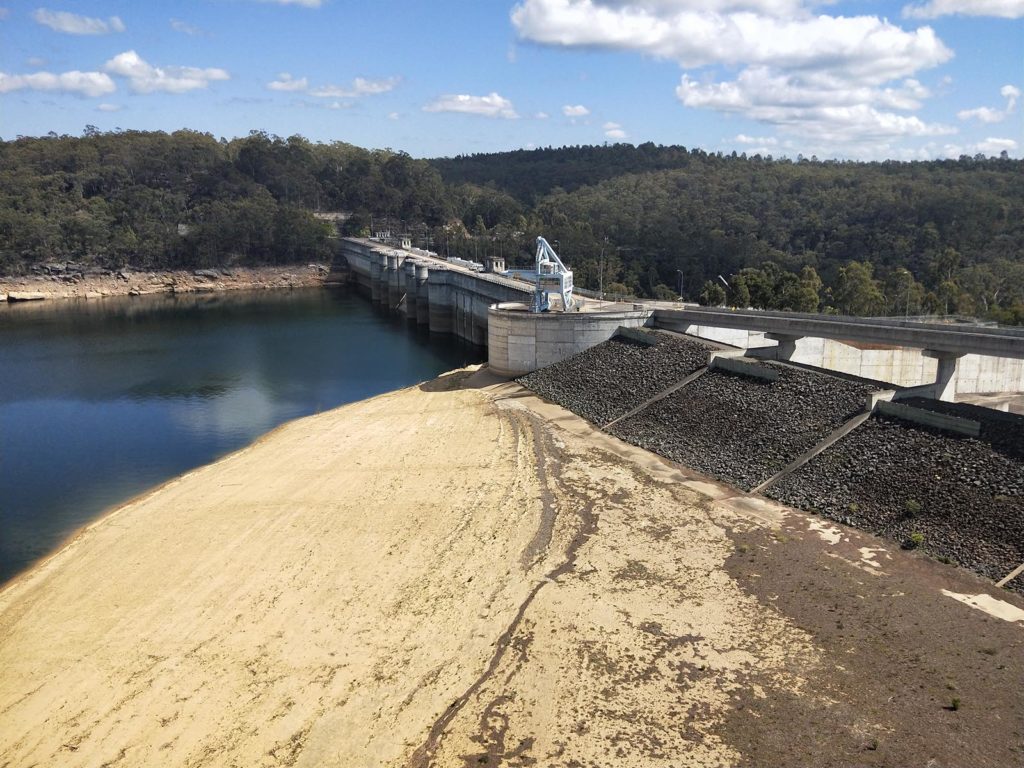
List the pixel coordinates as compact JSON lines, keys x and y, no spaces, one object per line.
{"x":743,"y":429}
{"x":611,"y":379}
{"x":962,"y":497}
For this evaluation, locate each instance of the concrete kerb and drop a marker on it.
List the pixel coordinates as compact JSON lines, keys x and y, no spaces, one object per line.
{"x":732,"y":363}
{"x":954,"y":424}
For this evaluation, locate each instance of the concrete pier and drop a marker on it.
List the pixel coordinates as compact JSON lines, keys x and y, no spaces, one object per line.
{"x":441,"y":312}
{"x":394,"y":281}
{"x":411,"y":289}
{"x":423,"y":299}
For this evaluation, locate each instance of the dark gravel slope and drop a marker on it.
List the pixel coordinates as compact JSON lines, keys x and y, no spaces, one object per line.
{"x":614,"y":377}
{"x":964,"y":496}
{"x":743,"y":430}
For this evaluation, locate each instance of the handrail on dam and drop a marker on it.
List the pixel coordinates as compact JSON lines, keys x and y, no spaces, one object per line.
{"x":942,"y":340}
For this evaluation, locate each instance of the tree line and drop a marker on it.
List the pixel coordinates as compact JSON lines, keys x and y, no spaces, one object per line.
{"x":939,"y":237}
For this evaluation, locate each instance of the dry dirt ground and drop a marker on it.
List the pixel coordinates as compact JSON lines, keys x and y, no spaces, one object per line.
{"x":462,"y":575}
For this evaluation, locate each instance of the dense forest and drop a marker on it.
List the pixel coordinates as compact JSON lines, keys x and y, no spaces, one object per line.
{"x":939,"y":237}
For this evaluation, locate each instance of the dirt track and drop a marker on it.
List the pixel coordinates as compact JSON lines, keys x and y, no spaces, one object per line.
{"x":454,"y":575}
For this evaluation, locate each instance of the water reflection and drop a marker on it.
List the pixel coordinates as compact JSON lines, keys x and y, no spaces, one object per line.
{"x":100,"y":400}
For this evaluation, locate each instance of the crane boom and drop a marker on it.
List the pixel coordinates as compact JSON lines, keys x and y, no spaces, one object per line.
{"x":552,"y":277}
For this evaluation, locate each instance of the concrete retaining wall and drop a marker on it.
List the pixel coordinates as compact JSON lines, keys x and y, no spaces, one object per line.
{"x":519,"y":341}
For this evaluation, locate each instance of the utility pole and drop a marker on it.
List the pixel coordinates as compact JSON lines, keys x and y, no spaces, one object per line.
{"x":680,"y":285}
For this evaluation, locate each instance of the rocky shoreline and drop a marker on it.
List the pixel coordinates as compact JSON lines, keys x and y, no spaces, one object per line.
{"x":70,"y":281}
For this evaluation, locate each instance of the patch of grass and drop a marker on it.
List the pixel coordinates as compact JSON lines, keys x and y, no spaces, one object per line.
{"x":853,"y":507}
{"x":913,"y":541}
{"x":912,"y":507}
{"x":954,"y":704}
{"x":743,"y":548}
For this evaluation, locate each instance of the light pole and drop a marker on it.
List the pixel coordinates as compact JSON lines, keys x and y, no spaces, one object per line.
{"x":680,"y":285}
{"x":600,"y":278}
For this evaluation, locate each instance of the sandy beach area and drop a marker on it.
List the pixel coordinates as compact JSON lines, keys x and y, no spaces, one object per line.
{"x":458,"y":574}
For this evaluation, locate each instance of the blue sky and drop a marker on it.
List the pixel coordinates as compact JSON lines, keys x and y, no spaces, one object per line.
{"x":862,"y":80}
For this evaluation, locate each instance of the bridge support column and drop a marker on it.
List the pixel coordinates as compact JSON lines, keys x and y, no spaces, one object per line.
{"x":422,"y":295}
{"x":787,"y":345}
{"x":945,"y":374}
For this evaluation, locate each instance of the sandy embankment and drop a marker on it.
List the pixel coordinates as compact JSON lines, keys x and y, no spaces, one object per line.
{"x":432,"y":576}
{"x":128,"y":282}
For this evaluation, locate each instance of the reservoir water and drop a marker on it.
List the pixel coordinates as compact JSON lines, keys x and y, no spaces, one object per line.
{"x":101,"y":400}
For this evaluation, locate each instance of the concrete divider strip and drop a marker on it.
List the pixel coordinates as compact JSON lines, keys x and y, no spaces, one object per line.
{"x":1011,"y":575}
{"x":824,"y":444}
{"x":660,"y":396}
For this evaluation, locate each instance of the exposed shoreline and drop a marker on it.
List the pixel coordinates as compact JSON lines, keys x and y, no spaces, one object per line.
{"x":459,"y":573}
{"x":127,"y":282}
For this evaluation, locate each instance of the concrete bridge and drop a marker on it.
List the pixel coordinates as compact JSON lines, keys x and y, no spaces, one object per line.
{"x":945,"y":343}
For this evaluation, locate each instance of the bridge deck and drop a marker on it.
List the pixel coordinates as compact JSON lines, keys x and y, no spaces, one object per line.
{"x":944,"y":339}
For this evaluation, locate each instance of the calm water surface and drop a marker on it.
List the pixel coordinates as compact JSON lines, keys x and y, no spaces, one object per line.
{"x":101,"y":400}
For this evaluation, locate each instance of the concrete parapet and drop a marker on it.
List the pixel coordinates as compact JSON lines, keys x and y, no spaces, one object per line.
{"x":954,"y":424}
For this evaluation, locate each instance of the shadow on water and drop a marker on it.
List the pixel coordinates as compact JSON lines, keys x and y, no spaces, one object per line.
{"x":100,"y":400}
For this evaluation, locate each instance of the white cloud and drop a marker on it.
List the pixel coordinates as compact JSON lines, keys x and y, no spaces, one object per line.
{"x":36,"y":61}
{"x":614,"y":131}
{"x":393,"y":116}
{"x":990,"y":115}
{"x":285,"y":82}
{"x":108,"y":107}
{"x":995,"y":146}
{"x":843,"y":77}
{"x":81,"y":83}
{"x":578,"y":110}
{"x":145,"y":78}
{"x":1004,"y":9}
{"x":360,"y":87}
{"x":763,"y":140}
{"x":542,"y":115}
{"x":491,"y":105}
{"x":185,"y":28}
{"x":814,"y":106}
{"x":864,"y":47}
{"x":73,"y":24}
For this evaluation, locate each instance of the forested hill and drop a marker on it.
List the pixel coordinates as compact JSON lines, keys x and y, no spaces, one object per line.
{"x":529,"y":174}
{"x":877,"y":238}
{"x":152,"y":200}
{"x":866,"y":238}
